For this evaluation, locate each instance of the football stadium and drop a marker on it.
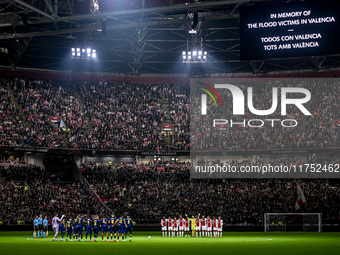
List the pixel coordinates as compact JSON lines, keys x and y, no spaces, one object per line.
{"x":169,"y":127}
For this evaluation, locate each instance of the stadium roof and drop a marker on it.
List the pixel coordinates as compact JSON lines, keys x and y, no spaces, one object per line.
{"x":135,"y":37}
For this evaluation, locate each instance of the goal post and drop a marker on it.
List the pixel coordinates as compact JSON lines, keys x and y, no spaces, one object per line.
{"x":301,"y":222}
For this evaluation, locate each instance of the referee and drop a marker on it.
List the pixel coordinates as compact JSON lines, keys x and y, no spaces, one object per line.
{"x":45,"y":227}
{"x":40,"y":226}
{"x":35,"y":225}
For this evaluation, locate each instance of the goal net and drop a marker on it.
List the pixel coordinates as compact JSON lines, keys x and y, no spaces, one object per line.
{"x":300,"y":222}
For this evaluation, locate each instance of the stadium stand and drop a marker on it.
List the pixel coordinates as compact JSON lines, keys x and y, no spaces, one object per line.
{"x":117,"y":117}
{"x":149,"y":193}
{"x":121,"y":116}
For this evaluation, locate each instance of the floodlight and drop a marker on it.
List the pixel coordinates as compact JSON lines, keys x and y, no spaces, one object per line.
{"x":94,"y":55}
{"x":78,"y":49}
{"x":88,"y":50}
{"x":195,"y":56}
{"x":73,"y":49}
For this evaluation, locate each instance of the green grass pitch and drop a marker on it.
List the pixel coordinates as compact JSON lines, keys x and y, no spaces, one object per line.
{"x":232,"y":243}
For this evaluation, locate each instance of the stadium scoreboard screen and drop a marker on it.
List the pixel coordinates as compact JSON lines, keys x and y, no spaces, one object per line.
{"x":288,"y":30}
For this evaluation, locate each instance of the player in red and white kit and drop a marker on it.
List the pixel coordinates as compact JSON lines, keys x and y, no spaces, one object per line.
{"x":209,"y":227}
{"x":170,"y":226}
{"x":215,"y":227}
{"x":198,"y":227}
{"x":203,"y":225}
{"x":186,"y":227}
{"x":180,"y":225}
{"x":163,"y":224}
{"x":175,"y":228}
{"x":220,"y":226}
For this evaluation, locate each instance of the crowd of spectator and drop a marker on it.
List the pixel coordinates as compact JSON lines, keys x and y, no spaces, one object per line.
{"x":12,"y":160}
{"x":150,"y":192}
{"x":12,"y":128}
{"x":180,"y":115}
{"x":45,"y":104}
{"x":27,"y":191}
{"x":123,"y":116}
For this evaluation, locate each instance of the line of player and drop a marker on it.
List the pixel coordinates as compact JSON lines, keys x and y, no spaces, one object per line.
{"x":116,"y":226}
{"x":200,"y":227}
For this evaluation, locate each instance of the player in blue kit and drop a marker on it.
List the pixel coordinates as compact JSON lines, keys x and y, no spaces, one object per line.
{"x":69,"y":225}
{"x":62,"y":229}
{"x":45,"y":227}
{"x":129,"y":224}
{"x":35,"y":227}
{"x":75,"y":228}
{"x":80,"y":227}
{"x":96,"y":224}
{"x":113,"y":227}
{"x":88,"y":224}
{"x":105,"y":229}
{"x":121,"y":227}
